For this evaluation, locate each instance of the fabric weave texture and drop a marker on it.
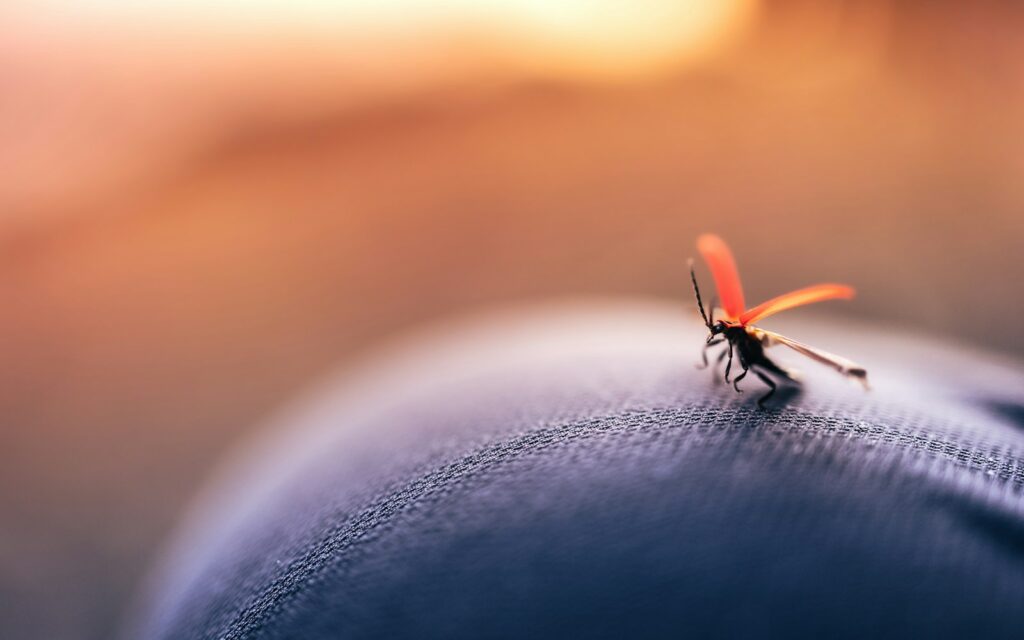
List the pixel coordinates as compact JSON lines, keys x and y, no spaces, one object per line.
{"x":567,"y":472}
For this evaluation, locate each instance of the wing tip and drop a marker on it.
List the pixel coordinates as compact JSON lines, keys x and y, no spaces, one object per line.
{"x":709,"y":242}
{"x":846,"y":292}
{"x":839,"y":291}
{"x":861,"y":375}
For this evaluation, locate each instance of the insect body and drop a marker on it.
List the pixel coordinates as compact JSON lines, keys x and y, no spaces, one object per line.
{"x":748,"y":342}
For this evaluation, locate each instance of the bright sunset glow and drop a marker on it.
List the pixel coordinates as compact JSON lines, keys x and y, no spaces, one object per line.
{"x":107,"y":89}
{"x":593,"y":37}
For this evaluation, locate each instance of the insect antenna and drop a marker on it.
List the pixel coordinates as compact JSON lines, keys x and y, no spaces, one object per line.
{"x":696,"y":291}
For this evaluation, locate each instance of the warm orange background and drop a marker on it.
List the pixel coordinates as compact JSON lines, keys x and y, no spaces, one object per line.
{"x":202,"y":211}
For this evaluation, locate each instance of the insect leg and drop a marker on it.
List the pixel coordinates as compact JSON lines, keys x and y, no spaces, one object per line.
{"x":728,"y":365}
{"x":721,"y":356}
{"x":771,"y":384}
{"x":746,"y":366}
{"x":736,"y":382}
{"x":704,"y":352}
{"x":770,"y":365}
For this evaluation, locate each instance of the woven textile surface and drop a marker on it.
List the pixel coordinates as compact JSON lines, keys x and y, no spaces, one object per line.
{"x":568,"y":472}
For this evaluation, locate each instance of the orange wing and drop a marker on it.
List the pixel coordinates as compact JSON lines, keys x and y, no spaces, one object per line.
{"x":723,"y":268}
{"x":797,"y":298}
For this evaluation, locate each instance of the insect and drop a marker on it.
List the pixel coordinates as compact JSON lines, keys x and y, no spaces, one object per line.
{"x":737,"y":326}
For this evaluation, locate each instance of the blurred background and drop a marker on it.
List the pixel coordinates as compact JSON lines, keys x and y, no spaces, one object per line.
{"x":207,"y":205}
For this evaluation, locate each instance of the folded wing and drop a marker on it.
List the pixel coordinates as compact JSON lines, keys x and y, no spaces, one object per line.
{"x":846,"y":367}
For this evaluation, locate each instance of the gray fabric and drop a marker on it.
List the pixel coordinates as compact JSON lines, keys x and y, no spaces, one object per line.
{"x":568,"y":472}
